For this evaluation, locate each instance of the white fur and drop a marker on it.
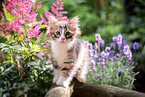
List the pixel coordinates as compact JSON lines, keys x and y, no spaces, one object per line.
{"x":78,"y":64}
{"x":62,"y":81}
{"x":59,"y":51}
{"x":56,"y":75}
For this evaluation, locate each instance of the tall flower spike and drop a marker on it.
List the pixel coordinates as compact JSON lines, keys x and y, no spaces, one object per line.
{"x":102,"y":43}
{"x":95,"y":46}
{"x":135,"y":46}
{"x":98,"y":37}
{"x":126,"y":49}
{"x":58,"y":12}
{"x":23,"y":13}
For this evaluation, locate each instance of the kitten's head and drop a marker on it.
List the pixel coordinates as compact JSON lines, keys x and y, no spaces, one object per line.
{"x":63,"y":31}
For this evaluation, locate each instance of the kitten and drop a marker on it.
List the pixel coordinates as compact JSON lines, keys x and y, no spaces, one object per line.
{"x":69,"y":55}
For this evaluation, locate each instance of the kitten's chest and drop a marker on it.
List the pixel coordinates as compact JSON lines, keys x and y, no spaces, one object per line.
{"x":60,"y":54}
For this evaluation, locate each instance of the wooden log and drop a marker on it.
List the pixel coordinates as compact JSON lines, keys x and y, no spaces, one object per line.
{"x":79,"y":89}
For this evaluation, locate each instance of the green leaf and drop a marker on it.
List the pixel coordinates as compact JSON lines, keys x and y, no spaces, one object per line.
{"x":16,"y":47}
{"x":25,"y":49}
{"x":35,"y":47}
{"x":19,"y":93}
{"x":43,"y":26}
{"x":30,"y":44}
{"x":22,"y":28}
{"x":47,"y":51}
{"x":8,"y":69}
{"x":42,"y":48}
{"x":2,"y":45}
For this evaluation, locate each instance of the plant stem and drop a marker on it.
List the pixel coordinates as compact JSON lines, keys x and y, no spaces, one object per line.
{"x":99,"y":46}
{"x":11,"y":57}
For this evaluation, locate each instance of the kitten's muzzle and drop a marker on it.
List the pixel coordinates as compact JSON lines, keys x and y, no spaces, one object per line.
{"x":62,"y":39}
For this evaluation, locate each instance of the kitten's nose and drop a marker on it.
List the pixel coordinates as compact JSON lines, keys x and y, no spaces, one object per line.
{"x":62,"y":38}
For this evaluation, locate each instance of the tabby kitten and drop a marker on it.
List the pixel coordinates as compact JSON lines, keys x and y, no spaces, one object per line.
{"x":69,"y":55}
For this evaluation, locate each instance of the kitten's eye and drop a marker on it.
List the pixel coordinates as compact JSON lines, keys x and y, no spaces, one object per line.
{"x":58,"y":33}
{"x":67,"y":33}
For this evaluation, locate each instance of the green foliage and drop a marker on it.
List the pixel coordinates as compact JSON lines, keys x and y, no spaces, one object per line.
{"x":22,"y":71}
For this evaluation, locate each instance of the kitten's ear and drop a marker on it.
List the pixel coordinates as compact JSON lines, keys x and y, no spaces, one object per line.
{"x":74,"y":25}
{"x":52,"y":20}
{"x":74,"y":21}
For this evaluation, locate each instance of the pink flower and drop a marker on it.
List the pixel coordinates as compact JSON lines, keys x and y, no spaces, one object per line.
{"x":25,"y":12}
{"x":44,"y":21}
{"x":40,"y":54}
{"x":57,"y":11}
{"x":39,"y":37}
{"x":45,"y":38}
{"x":63,"y":12}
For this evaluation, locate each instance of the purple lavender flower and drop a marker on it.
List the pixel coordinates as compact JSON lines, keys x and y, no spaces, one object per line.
{"x":103,"y":54}
{"x":127,"y":75}
{"x":119,"y":73}
{"x":129,"y":56}
{"x":115,"y":39}
{"x":107,"y":49}
{"x":90,"y":46}
{"x":126,"y":67}
{"x":95,"y":57}
{"x":124,"y":43}
{"x":132,"y":67}
{"x":86,"y":42}
{"x":102,"y":43}
{"x":102,"y":62}
{"x":103,"y":68}
{"x":116,"y":57}
{"x":97,"y":76}
{"x":91,"y":53}
{"x":99,"y":59}
{"x":119,"y":39}
{"x":98,"y":37}
{"x":112,"y":45}
{"x":107,"y":54}
{"x":95,"y":46}
{"x":132,"y":62}
{"x":94,"y":68}
{"x":135,"y":46}
{"x":126,"y":49}
{"x":123,"y":57}
{"x":99,"y":53}
{"x":93,"y":62}
{"x":112,"y":52}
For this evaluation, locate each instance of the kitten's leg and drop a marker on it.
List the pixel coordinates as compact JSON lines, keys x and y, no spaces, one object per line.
{"x":56,"y":75}
{"x":64,"y":74}
{"x":57,"y":70}
{"x":82,"y":72}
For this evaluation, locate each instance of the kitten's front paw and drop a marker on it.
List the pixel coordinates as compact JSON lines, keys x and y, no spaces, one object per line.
{"x":55,"y":79}
{"x":59,"y":82}
{"x":63,"y":82}
{"x":66,"y":84}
